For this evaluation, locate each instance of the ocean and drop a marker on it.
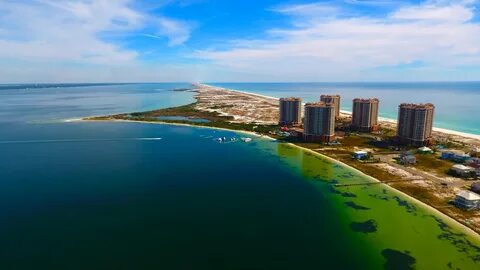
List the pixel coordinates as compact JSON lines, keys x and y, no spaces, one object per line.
{"x":103,"y":195}
{"x":456,"y":103}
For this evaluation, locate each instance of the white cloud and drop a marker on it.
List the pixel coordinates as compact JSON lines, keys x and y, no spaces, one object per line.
{"x":310,"y":10}
{"x":70,"y":30}
{"x":177,"y":31}
{"x":455,"y":13}
{"x":442,"y":36}
{"x":65,"y":30}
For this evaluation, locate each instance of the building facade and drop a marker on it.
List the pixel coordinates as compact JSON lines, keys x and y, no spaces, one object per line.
{"x":319,"y":122}
{"x":365,"y":114}
{"x":333,"y":99}
{"x":467,"y":200}
{"x":415,"y":123}
{"x":290,"y":111}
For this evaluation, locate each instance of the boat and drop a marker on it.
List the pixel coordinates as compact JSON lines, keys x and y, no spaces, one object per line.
{"x":246,"y":139}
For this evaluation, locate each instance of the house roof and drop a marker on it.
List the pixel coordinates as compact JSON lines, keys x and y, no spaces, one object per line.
{"x":468,"y":195}
{"x":461,"y":167}
{"x":456,"y":152}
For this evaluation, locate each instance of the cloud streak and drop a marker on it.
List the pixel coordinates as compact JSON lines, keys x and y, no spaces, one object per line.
{"x":440,"y":35}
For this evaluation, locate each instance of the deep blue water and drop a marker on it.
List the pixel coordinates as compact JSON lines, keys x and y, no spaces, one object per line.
{"x":112,"y":202}
{"x":85,"y":195}
{"x":98,"y":195}
{"x":457,"y":103}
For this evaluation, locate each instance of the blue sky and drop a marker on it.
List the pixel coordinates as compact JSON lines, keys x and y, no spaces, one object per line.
{"x":238,"y":41}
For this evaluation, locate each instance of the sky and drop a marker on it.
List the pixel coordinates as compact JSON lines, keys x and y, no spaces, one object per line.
{"x":238,"y":41}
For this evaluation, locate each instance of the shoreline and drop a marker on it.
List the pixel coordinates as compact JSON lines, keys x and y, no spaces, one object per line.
{"x":465,"y":229}
{"x":381,"y":119}
{"x":253,"y":107}
{"x":176,"y":124}
{"x":448,"y":218}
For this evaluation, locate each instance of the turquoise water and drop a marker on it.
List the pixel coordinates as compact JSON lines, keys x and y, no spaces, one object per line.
{"x":457,"y":103}
{"x":54,"y":103}
{"x":96,"y":195}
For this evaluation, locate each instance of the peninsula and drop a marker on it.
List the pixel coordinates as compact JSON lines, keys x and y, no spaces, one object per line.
{"x":428,"y":180}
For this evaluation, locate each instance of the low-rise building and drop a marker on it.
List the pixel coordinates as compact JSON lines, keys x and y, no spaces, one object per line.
{"x":407,"y":159}
{"x":473,"y":162}
{"x":467,"y":200}
{"x":455,"y":155}
{"x":463,"y":171}
{"x":424,"y":150}
{"x":475,"y":152}
{"x":475,"y":187}
{"x":360,"y":155}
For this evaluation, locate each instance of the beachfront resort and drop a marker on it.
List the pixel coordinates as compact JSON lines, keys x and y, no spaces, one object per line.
{"x":414,"y":128}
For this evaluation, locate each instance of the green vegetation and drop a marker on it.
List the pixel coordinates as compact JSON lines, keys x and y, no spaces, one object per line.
{"x":431,"y":163}
{"x":215,"y":119}
{"x":356,"y":141}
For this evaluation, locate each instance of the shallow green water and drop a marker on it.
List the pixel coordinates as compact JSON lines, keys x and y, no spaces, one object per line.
{"x":399,"y":223}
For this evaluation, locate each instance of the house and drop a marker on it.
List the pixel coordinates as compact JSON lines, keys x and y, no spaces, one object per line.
{"x":424,"y":150}
{"x":463,"y":171}
{"x":475,"y":152}
{"x":475,"y":187}
{"x":407,"y":159}
{"x":455,"y":155}
{"x":467,"y":200}
{"x":473,"y":162}
{"x":360,"y":155}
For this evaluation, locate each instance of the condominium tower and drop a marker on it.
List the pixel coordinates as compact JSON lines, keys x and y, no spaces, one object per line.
{"x":290,"y":111}
{"x":415,"y":123}
{"x":319,"y":122}
{"x":365,"y":114}
{"x":335,"y":100}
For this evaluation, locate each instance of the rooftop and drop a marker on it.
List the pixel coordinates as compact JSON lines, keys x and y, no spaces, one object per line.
{"x":366,"y":100}
{"x":319,"y":104}
{"x":461,"y":167}
{"x":291,"y":99}
{"x":417,"y":106}
{"x":454,"y":151}
{"x":468,"y":195}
